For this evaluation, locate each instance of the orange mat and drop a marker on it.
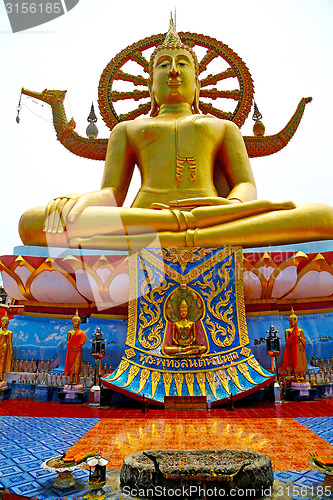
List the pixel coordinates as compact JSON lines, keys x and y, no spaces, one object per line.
{"x":286,"y":441}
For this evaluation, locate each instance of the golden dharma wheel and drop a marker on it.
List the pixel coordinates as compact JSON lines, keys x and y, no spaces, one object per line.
{"x":226,"y":86}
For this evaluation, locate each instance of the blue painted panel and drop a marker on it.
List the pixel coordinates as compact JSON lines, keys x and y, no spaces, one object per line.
{"x":318,"y":331}
{"x":45,"y":338}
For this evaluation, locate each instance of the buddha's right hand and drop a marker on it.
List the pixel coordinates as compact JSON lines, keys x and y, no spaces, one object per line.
{"x":67,"y":208}
{"x":64,"y":209}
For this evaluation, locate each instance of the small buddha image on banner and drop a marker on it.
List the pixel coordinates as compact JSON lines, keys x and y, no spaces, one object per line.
{"x":187,"y":332}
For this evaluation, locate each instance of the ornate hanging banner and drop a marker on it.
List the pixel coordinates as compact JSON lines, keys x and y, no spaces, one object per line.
{"x":187,"y":333}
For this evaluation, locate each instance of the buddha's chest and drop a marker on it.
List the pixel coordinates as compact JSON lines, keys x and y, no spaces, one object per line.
{"x":183,"y":138}
{"x":184,"y":332}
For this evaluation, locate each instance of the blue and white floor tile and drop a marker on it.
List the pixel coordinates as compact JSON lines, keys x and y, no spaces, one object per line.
{"x":25,"y":442}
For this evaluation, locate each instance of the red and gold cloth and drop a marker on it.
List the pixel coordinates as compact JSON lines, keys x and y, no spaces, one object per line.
{"x":74,"y":352}
{"x":294,"y":353}
{"x":290,"y":350}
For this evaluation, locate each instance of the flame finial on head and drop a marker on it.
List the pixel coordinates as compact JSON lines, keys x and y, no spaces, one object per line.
{"x":292,"y":315}
{"x":172,"y":36}
{"x":76,"y":316}
{"x":173,"y":41}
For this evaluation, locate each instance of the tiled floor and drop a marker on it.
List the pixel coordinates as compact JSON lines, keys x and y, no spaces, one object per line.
{"x":31,"y":432}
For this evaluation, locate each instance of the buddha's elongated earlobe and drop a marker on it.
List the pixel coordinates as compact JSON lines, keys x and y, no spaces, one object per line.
{"x":153,"y":105}
{"x":154,"y":108}
{"x":196,"y":99}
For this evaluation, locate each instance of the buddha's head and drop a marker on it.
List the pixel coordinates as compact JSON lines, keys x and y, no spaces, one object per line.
{"x":5,"y":322}
{"x":76,"y":321}
{"x":293,"y":319}
{"x":173,"y":70}
{"x":183,"y":309}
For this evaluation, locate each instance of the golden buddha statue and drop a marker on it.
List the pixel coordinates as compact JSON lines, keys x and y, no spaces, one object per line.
{"x":197,"y":184}
{"x":75,"y":340}
{"x":6,"y":346}
{"x":184,"y":335}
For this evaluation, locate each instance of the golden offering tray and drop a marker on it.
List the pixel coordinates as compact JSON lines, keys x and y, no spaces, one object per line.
{"x":65,"y":478}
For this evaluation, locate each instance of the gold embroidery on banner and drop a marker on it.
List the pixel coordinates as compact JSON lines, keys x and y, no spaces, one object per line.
{"x":246,"y":351}
{"x":133,"y":371}
{"x":150,"y":317}
{"x":155,"y":378}
{"x":232,"y":372}
{"x":239,"y":289}
{"x":167,"y":380}
{"x":204,"y":360}
{"x":132,"y":305}
{"x":149,"y":281}
{"x":184,"y":255}
{"x":211,"y":380}
{"x":194,"y":365}
{"x":144,"y":376}
{"x":243,"y":368}
{"x":124,"y":364}
{"x":223,"y":378}
{"x":212,"y":290}
{"x":131,"y":327}
{"x":130,"y":353}
{"x":149,"y":329}
{"x":179,"y":379}
{"x":189,"y":379}
{"x":154,"y":338}
{"x":193,"y":273}
{"x":201,"y":379}
{"x":154,"y":261}
{"x":217,"y":329}
{"x":255,"y":365}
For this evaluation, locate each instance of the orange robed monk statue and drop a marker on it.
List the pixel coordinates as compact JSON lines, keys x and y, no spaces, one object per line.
{"x":75,"y":340}
{"x":294,"y":354}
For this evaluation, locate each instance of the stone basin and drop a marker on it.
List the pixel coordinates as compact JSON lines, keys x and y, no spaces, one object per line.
{"x":196,"y":474}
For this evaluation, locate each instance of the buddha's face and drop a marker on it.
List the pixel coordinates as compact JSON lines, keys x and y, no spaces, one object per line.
{"x":76,"y":323}
{"x":174,"y":78}
{"x":293,"y":320}
{"x":183,"y":310}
